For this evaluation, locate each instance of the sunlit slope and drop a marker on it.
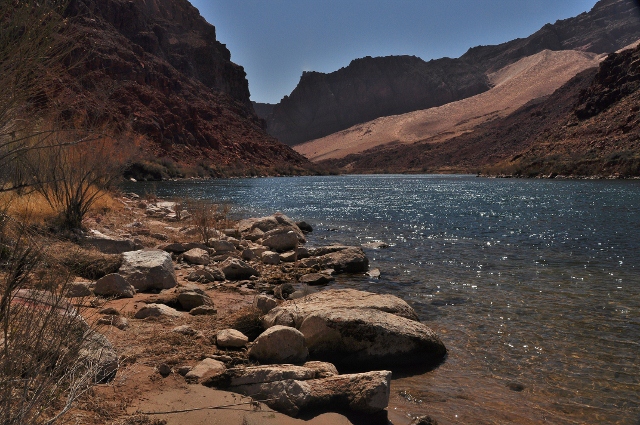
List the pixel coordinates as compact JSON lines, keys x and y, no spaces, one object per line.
{"x":528,"y":79}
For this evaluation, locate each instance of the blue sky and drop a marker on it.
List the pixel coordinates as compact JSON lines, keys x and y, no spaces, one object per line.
{"x":275,"y":40}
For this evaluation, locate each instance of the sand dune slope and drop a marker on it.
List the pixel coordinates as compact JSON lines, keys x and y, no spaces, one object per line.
{"x":528,"y":79}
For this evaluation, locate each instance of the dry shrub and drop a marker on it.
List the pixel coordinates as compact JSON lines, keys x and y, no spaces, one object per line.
{"x":89,"y":264}
{"x":69,"y":170}
{"x":204,"y":217}
{"x":44,"y":366}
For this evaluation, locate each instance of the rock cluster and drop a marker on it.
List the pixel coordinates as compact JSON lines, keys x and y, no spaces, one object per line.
{"x":302,"y":339}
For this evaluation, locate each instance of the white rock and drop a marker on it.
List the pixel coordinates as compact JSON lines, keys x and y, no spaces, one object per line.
{"x":279,"y":344}
{"x":231,"y":338}
{"x":197,"y":256}
{"x":157,"y":310}
{"x":205,"y":369}
{"x":148,"y":269}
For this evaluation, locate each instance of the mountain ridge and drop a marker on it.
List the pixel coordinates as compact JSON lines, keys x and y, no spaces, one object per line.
{"x":311,"y":112}
{"x":588,"y":127}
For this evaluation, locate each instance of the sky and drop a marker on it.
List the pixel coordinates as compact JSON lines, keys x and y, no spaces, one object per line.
{"x":276,"y":40}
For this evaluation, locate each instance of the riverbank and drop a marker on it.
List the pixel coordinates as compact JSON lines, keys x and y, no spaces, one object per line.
{"x":218,"y":286}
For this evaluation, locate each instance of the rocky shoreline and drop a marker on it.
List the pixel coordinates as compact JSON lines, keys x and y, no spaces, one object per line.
{"x":246,"y":306}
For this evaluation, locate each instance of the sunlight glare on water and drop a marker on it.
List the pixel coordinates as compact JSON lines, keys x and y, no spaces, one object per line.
{"x":532,"y":284}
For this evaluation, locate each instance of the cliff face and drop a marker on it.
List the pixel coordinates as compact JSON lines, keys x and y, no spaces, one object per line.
{"x":174,"y":31}
{"x":153,"y":70}
{"x":369,"y":88}
{"x":590,"y":126}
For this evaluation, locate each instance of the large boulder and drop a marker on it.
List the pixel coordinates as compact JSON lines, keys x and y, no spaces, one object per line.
{"x":359,"y":329}
{"x":293,"y":313}
{"x":265,"y":303}
{"x":148,"y":269}
{"x":367,"y":338}
{"x":114,"y":285}
{"x":235,"y":269}
{"x":270,"y":257}
{"x":279,"y":344}
{"x":280,"y":240}
{"x":108,"y":244}
{"x":349,"y":260}
{"x":255,"y":228}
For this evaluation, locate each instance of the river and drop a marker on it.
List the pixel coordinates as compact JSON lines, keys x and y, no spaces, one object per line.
{"x":533,"y":285}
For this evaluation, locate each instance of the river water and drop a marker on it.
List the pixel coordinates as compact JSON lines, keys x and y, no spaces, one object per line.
{"x":533,"y":285}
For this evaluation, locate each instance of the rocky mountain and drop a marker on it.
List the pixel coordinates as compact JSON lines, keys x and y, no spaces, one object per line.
{"x":588,"y":127}
{"x":513,"y":86}
{"x":369,"y":88}
{"x":153,"y":71}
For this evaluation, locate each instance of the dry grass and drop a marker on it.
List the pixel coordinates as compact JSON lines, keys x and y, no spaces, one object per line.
{"x":33,"y":209}
{"x":86,"y":263}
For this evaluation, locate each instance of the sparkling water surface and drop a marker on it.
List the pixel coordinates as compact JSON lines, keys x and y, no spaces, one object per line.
{"x":533,"y":285}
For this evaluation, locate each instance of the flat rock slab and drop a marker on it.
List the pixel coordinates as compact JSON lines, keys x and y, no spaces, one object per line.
{"x":293,"y":313}
{"x":200,"y":398}
{"x":148,"y":269}
{"x":364,"y":393}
